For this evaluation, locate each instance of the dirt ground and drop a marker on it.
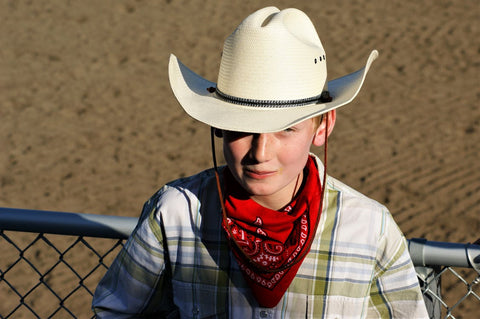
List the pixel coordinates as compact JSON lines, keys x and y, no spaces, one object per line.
{"x":89,"y":123}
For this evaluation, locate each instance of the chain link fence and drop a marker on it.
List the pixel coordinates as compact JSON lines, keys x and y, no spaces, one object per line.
{"x":42,"y":279}
{"x":51,"y":263}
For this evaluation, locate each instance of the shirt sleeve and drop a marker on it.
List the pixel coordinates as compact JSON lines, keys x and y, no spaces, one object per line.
{"x":395,"y":290}
{"x":138,"y":283}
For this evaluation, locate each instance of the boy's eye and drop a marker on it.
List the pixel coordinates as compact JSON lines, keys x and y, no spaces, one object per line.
{"x":233,"y":135}
{"x":287,"y":132}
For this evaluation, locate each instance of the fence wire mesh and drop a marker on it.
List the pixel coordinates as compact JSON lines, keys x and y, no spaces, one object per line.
{"x":45,"y":275}
{"x":51,"y":276}
{"x":450,"y":292}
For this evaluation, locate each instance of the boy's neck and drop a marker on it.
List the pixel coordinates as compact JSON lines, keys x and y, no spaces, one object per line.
{"x":279,"y":201}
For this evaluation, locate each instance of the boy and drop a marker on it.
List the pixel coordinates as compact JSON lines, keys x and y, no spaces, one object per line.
{"x":270,"y":235}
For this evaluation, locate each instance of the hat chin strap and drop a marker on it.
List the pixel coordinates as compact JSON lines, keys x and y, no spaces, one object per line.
{"x":222,"y":203}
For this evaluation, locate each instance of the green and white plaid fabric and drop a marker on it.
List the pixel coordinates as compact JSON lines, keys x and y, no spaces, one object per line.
{"x":177,"y":263}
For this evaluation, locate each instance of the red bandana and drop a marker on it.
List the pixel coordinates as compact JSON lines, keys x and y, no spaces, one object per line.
{"x":269,"y":245}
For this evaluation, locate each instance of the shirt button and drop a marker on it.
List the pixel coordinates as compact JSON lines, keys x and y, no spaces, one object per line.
{"x":264,"y":314}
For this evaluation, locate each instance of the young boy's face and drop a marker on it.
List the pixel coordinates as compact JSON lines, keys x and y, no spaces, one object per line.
{"x":269,"y":166}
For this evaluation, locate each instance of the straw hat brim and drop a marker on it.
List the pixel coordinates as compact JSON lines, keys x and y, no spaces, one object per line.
{"x":191,"y":91}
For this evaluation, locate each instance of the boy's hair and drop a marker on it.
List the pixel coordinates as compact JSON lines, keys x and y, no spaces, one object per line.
{"x":317,"y":120}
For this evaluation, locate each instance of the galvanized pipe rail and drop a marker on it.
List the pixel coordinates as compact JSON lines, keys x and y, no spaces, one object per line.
{"x":423,"y":252}
{"x":62,"y":223}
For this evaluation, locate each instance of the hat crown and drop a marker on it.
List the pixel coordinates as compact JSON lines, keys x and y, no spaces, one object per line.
{"x":273,"y":55}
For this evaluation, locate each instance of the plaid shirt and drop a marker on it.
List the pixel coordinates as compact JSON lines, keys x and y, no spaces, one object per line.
{"x":177,"y":263}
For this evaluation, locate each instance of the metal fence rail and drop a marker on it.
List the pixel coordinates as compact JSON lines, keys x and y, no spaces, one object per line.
{"x":52,"y":262}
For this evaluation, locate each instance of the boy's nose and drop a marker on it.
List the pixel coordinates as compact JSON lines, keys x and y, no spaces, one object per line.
{"x":261,"y":147}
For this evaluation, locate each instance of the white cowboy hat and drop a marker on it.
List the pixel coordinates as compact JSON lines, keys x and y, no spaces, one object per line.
{"x":272,"y":75}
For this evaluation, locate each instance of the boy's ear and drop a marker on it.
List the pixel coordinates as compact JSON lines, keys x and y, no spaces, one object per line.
{"x":218,"y":132}
{"x":319,"y":137}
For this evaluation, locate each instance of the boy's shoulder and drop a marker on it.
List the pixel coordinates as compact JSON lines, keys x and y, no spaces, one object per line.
{"x":347,"y":192}
{"x":353,"y":196}
{"x":179,"y":197}
{"x":187,"y":188}
{"x":193,"y":180}
{"x":356,"y":212}
{"x":336,"y":184}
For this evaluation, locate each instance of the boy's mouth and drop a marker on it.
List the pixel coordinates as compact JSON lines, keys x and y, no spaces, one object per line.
{"x":256,"y":174}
